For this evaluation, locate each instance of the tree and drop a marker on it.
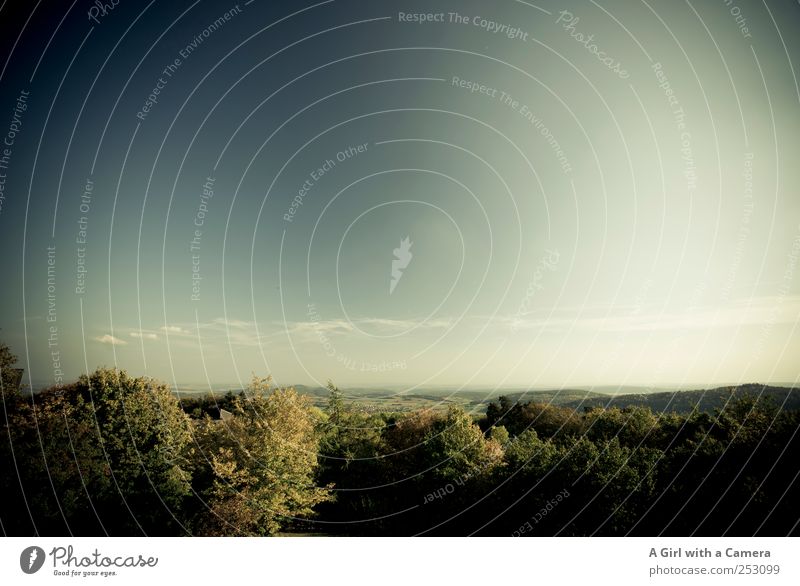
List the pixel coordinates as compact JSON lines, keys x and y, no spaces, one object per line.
{"x":458,"y":448}
{"x":144,"y":436}
{"x":548,"y":420}
{"x":530,"y":455}
{"x":257,"y":468}
{"x":112,"y":450}
{"x":8,"y":371}
{"x":633,"y":426}
{"x":350,"y":449}
{"x":335,"y":404}
{"x":499,"y":434}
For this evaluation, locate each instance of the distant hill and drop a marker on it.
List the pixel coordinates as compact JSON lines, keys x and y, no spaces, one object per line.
{"x":686,"y":401}
{"x":560,"y":397}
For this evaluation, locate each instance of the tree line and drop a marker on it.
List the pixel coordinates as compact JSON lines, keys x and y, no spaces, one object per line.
{"x":121,"y":455}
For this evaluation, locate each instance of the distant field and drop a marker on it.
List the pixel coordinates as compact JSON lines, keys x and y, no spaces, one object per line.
{"x":476,"y":400}
{"x":473,"y":400}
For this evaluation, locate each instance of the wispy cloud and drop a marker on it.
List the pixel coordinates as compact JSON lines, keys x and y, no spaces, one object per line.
{"x":174,"y":330}
{"x":757,"y":311}
{"x":238,"y":332}
{"x":109,"y":339}
{"x":233,"y":323}
{"x":405,"y":324}
{"x":324,"y":326}
{"x":382,"y":325}
{"x":144,"y":335}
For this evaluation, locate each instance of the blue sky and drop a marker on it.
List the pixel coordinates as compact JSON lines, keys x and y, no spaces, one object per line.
{"x":569,"y":225}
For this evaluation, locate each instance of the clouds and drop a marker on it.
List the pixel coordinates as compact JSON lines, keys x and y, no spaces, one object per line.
{"x":223,"y":332}
{"x":109,"y":339}
{"x":233,"y":323}
{"x":382,"y":326}
{"x":174,"y":330}
{"x":754,"y":312}
{"x":144,"y":335}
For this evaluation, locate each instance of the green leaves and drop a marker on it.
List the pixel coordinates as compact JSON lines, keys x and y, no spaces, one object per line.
{"x":258,"y":466}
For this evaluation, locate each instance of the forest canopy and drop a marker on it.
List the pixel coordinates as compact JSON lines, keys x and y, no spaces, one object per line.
{"x":121,"y":455}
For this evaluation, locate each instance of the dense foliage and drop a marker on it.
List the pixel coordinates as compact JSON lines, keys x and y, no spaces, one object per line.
{"x":113,"y":454}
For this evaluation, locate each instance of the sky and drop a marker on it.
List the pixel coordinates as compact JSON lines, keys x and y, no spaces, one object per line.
{"x":402,"y":193}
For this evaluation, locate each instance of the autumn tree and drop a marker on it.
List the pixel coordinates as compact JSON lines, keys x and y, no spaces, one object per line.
{"x":256,"y":470}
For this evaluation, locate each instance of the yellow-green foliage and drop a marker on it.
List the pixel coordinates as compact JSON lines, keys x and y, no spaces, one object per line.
{"x":261,"y":462}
